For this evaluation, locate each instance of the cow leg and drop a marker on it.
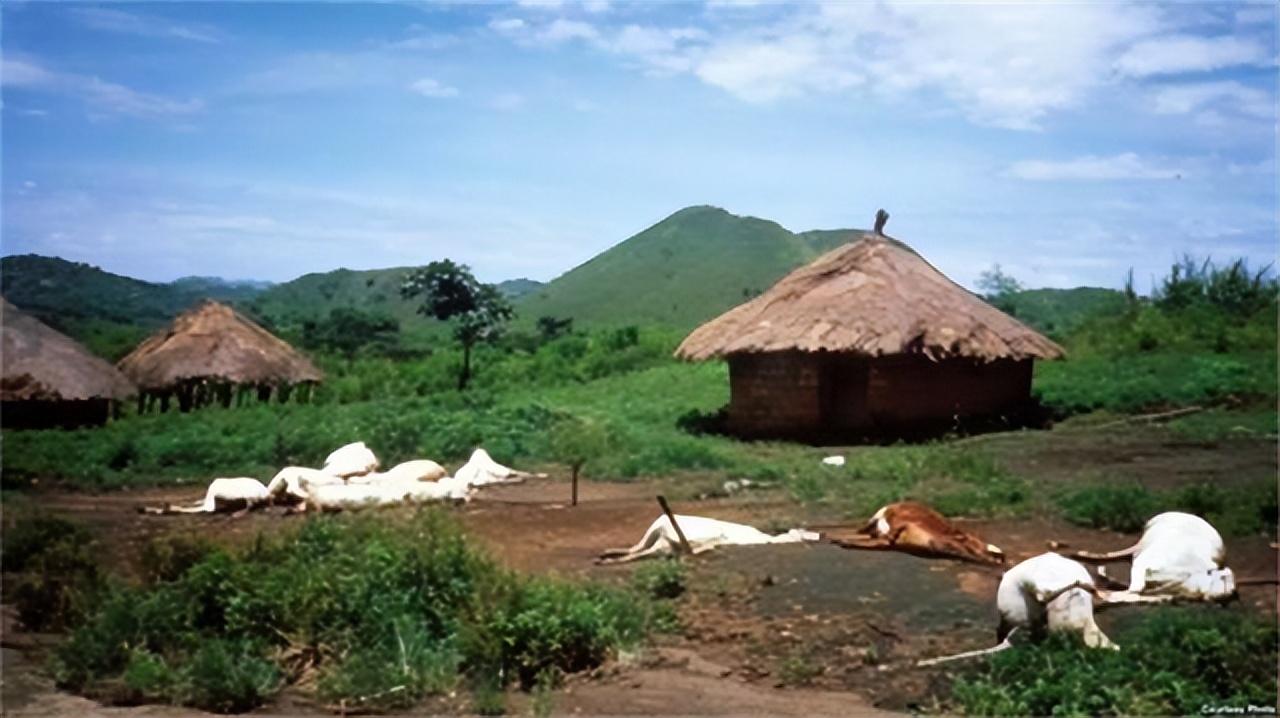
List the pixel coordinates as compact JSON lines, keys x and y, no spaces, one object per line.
{"x":865,"y":542}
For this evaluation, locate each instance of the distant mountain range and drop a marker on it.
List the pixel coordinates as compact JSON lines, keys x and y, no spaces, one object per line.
{"x":680,"y":272}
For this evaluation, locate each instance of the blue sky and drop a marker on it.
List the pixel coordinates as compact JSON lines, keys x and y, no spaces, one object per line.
{"x":1068,"y":142}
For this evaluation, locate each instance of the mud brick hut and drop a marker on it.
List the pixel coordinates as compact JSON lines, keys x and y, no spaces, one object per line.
{"x":869,"y":339}
{"x":51,"y":381}
{"x":213,"y":354}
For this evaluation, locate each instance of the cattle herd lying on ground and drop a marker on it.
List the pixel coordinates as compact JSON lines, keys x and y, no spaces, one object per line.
{"x":1179,"y":556}
{"x":349,"y":480}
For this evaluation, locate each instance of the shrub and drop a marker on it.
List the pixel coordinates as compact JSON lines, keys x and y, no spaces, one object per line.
{"x":54,"y":572}
{"x":660,"y":579}
{"x":1173,"y":662}
{"x":1121,"y":507}
{"x":388,"y":613}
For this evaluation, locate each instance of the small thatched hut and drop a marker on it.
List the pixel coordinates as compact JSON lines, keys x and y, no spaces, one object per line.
{"x":212,"y":353}
{"x":868,"y":339}
{"x":51,"y":381}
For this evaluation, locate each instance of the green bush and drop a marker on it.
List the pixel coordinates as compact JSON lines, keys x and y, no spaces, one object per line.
{"x":387,"y":612}
{"x":1120,"y":507}
{"x":1234,"y":511}
{"x":1173,"y":662}
{"x":660,"y":579}
{"x":54,"y":574}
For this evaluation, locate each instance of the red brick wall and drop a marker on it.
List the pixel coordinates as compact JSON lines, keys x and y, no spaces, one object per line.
{"x":798,"y":394}
{"x":774,"y":394}
{"x":911,"y":389}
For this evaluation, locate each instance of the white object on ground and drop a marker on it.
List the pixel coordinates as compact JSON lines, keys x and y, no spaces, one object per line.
{"x":1180,"y":555}
{"x":834,"y":460}
{"x":482,"y":470}
{"x":291,"y":481}
{"x":1049,"y":592}
{"x":417,"y":470}
{"x":339,"y":497}
{"x":224,"y":495}
{"x":703,"y":534}
{"x":350,"y":460}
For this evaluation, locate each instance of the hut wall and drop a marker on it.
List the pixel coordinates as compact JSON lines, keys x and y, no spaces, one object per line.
{"x":34,"y":414}
{"x":907,"y":390}
{"x":774,"y":394}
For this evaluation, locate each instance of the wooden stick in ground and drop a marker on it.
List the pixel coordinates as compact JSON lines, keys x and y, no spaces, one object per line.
{"x":684,"y":542}
{"x":574,"y":500}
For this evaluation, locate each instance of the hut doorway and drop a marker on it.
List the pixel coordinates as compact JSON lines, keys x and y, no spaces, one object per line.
{"x":844,"y":392}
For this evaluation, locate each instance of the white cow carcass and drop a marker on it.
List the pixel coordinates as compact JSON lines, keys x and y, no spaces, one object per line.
{"x":703,"y":534}
{"x":351,"y":460}
{"x":223,"y":495}
{"x":290,"y":482}
{"x":482,"y":470}
{"x":1180,"y":556}
{"x":418,"y":470}
{"x":347,"y":497}
{"x":1047,"y":593}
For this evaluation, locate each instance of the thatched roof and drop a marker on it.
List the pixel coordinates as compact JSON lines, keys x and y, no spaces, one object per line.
{"x":213,"y":341}
{"x":43,"y":364}
{"x":873,"y":297}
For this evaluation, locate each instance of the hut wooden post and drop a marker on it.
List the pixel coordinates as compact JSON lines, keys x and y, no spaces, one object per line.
{"x":224,"y":395}
{"x":164,"y":402}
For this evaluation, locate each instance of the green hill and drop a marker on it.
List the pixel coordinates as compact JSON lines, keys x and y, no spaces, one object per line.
{"x":108,"y":312}
{"x":683,"y":270}
{"x":62,"y":292}
{"x":1058,"y":311}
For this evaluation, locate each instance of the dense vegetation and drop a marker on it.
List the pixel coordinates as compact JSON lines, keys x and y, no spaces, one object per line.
{"x":368,"y":614}
{"x":1173,"y":661}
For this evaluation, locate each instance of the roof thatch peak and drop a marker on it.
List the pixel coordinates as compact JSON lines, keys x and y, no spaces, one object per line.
{"x":41,"y":363}
{"x":213,"y":341}
{"x":871,"y":297}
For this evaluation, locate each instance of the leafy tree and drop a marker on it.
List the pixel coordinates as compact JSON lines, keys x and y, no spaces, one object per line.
{"x":550,"y":327}
{"x":348,"y":330}
{"x":576,"y":442}
{"x":451,"y":293}
{"x":999,"y":288}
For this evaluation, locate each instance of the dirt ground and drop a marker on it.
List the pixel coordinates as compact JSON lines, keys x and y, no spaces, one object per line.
{"x":791,"y":629}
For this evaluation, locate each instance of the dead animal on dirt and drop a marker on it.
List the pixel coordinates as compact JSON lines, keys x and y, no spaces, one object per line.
{"x":289,"y":484}
{"x":915,"y":528}
{"x":351,"y":460}
{"x":223,"y":496}
{"x":349,"y":497}
{"x":417,"y":470}
{"x":1045,"y":593}
{"x":481,"y":470}
{"x":703,"y":534}
{"x":1180,"y":556}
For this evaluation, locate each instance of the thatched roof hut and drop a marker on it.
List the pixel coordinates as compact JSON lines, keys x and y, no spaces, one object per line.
{"x":868,"y":336}
{"x":49,"y":379}
{"x":212,"y":345}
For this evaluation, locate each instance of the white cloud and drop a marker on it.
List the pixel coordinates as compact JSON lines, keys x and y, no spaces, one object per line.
{"x":508,"y":26}
{"x":1189,"y":53}
{"x":595,"y":6}
{"x":541,"y":4}
{"x":1089,"y":167}
{"x":112,"y":20}
{"x":431,"y":87}
{"x":507,"y":101}
{"x":1188,"y":98}
{"x":102,"y":97}
{"x":424,"y":41}
{"x":562,"y":30}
